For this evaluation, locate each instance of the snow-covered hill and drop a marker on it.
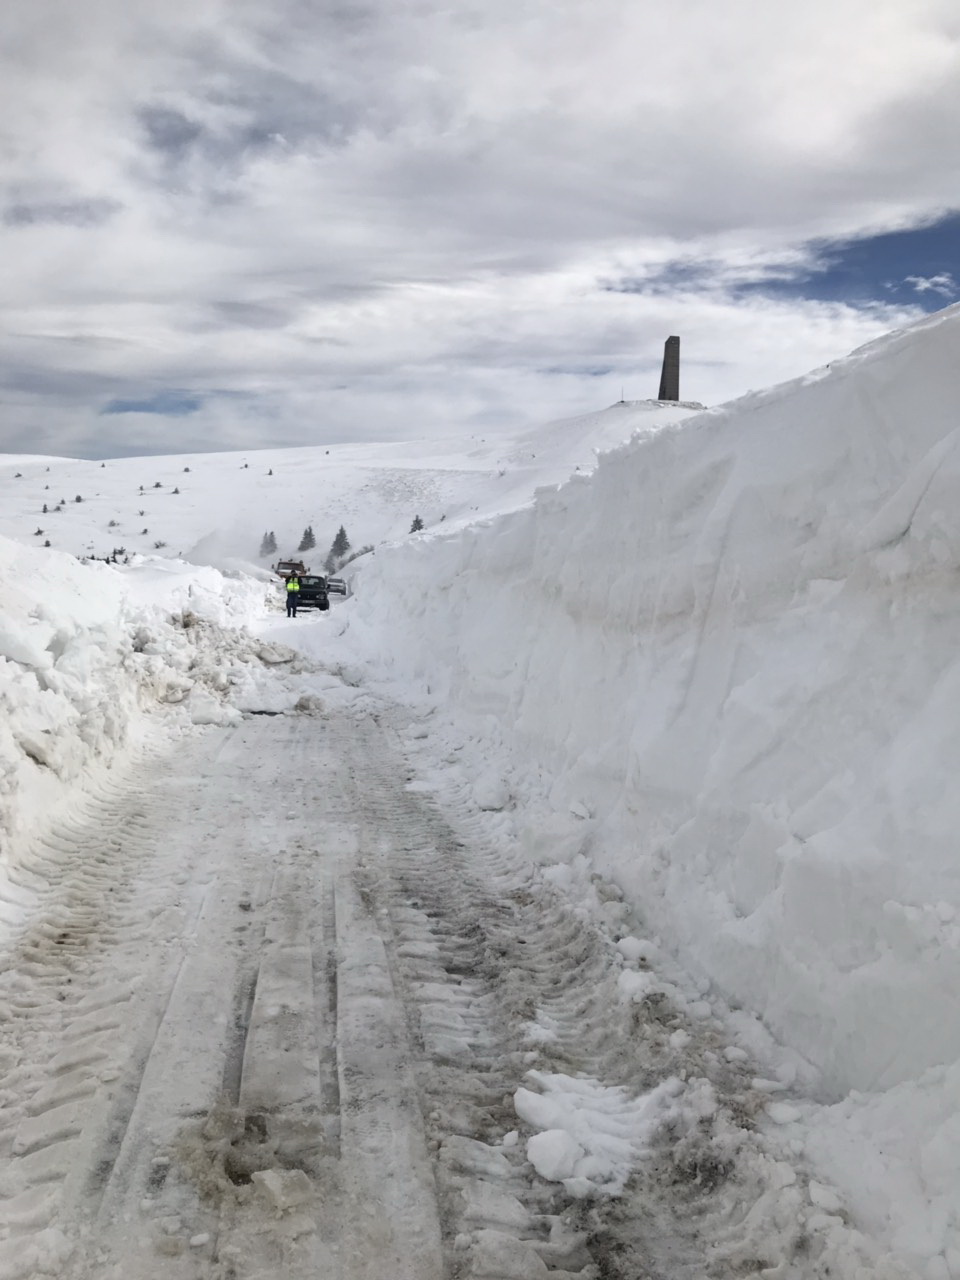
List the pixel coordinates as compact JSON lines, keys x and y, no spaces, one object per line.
{"x":214,"y":508}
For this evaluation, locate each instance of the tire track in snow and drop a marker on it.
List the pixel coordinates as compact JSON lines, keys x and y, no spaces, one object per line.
{"x":336,"y":995}
{"x":79,"y":875}
{"x":390,"y":1214}
{"x":115,"y":1066}
{"x":438,"y":924}
{"x":511,"y":985}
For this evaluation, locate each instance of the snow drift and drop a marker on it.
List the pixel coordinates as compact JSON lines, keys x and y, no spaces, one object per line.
{"x":86,"y":650}
{"x":735,"y":650}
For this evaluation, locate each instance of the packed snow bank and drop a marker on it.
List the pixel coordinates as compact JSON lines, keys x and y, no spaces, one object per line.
{"x":85,"y":649}
{"x":735,"y":647}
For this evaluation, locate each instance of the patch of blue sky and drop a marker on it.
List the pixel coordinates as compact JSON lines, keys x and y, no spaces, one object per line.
{"x":919,"y":266}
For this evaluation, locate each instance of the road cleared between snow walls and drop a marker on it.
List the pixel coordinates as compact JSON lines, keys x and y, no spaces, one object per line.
{"x":735,"y":649}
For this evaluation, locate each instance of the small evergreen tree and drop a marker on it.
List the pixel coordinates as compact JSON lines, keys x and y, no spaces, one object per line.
{"x":338,"y":549}
{"x":417,"y":525}
{"x":176,"y":491}
{"x":308,"y":541}
{"x":78,"y":498}
{"x":268,"y":545}
{"x":341,"y":543}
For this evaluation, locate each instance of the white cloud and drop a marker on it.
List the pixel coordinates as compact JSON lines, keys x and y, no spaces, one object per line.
{"x":942,"y":283}
{"x":346,"y":206}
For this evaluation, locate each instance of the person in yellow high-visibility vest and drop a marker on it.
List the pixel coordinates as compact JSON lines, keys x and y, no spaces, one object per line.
{"x":293,"y":590}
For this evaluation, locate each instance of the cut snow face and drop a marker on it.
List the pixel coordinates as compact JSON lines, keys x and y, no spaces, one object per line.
{"x":722,"y":670}
{"x":734,"y":646}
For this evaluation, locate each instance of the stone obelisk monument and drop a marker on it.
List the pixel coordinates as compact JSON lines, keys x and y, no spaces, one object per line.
{"x":670,"y":373}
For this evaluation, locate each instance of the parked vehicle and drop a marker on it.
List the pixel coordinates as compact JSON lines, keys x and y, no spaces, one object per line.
{"x":336,"y":586}
{"x":313,"y":592}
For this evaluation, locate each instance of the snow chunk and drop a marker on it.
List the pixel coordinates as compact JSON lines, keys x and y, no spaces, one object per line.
{"x":637,"y":950}
{"x":490,"y":791}
{"x":284,"y":1189}
{"x":782,"y":1113}
{"x":607,"y":1127}
{"x":554,"y":1154}
{"x":634,"y":984}
{"x":205,"y":709}
{"x":824,"y":1198}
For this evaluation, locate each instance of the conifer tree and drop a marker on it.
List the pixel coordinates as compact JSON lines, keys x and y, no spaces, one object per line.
{"x":308,"y":541}
{"x":341,"y":543}
{"x":338,"y":549}
{"x":417,"y":525}
{"x":265,"y":549}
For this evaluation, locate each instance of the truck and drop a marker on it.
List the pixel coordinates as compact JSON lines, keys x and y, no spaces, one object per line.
{"x":285,"y":568}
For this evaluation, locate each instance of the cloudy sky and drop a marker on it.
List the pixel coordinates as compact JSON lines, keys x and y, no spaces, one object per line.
{"x":241,"y":223}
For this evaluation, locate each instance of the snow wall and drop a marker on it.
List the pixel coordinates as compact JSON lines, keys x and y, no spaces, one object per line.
{"x":737,"y":647}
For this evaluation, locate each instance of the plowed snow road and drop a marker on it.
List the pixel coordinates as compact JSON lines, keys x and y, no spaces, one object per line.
{"x":268,"y":1017}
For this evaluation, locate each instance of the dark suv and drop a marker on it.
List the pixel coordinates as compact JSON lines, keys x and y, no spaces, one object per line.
{"x":312,"y":593}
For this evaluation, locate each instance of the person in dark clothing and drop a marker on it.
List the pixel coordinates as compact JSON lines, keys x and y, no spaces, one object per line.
{"x":293,"y":590}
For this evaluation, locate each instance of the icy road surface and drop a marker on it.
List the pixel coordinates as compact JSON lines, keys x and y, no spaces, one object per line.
{"x":275,"y":1014}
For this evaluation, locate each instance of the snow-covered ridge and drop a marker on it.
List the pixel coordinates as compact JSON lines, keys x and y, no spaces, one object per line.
{"x":735,"y":647}
{"x":214,"y":508}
